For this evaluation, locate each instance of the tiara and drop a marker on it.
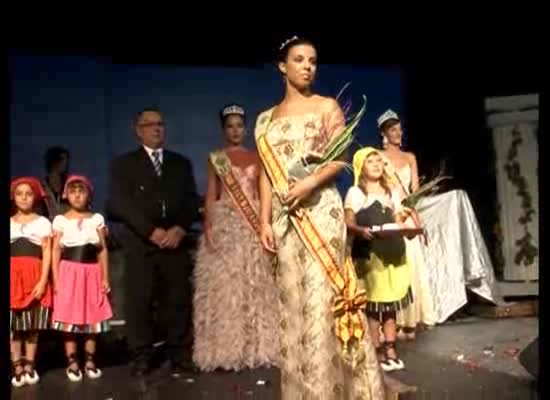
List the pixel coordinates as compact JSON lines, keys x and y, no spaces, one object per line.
{"x":386,"y":116}
{"x":286,"y":42}
{"x":232,"y":110}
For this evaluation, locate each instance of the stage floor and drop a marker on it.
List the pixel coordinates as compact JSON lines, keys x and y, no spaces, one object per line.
{"x":469,"y":358}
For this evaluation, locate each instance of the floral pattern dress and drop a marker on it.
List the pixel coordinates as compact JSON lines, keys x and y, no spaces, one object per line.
{"x":312,"y":364}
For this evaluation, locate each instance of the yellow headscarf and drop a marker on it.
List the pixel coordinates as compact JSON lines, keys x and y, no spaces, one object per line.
{"x":358,"y":160}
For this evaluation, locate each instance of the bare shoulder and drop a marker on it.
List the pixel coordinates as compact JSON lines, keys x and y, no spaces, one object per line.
{"x":265,"y":115}
{"x":327,"y":104}
{"x":262,"y":121}
{"x":411,"y":158}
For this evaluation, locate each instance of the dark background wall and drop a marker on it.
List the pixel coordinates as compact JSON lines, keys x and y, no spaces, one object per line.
{"x":438,"y":77}
{"x":87,"y":104}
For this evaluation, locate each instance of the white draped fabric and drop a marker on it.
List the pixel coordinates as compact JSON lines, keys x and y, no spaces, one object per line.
{"x":456,"y":258}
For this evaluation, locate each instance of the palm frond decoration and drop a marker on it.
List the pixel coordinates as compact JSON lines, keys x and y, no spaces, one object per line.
{"x":333,"y":150}
{"x":346,"y":109}
{"x":341,"y":143}
{"x":426,"y":188}
{"x":346,"y":106}
{"x":342,"y":91}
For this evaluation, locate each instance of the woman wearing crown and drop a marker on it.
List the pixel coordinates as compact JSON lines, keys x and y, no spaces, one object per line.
{"x":326,"y":352}
{"x":403,"y":169}
{"x":439,"y":269}
{"x":235,"y":300}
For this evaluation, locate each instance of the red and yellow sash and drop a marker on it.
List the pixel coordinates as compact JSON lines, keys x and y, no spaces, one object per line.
{"x":349,"y":299}
{"x":222,"y":166}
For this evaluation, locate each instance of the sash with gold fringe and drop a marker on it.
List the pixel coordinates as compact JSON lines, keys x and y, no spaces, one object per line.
{"x":222,"y":166}
{"x":349,"y":299}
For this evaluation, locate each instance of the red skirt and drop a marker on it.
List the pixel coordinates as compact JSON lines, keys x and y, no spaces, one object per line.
{"x":24,"y":275}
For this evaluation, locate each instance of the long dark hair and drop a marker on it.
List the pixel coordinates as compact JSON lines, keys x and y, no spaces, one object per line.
{"x":79,"y":184}
{"x":386,"y":125}
{"x":284,"y":48}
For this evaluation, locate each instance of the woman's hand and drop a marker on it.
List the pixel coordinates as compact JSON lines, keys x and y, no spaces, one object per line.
{"x":208,"y":235}
{"x":402,"y":215}
{"x":402,"y":225}
{"x":208,"y":238}
{"x":298,"y":192}
{"x":266,"y":237}
{"x":39,"y":290}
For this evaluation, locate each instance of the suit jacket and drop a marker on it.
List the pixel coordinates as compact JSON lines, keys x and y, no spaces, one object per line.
{"x":142,"y":201}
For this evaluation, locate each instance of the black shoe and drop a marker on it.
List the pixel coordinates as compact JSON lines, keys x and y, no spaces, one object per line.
{"x":178,"y":369}
{"x":140,"y":367}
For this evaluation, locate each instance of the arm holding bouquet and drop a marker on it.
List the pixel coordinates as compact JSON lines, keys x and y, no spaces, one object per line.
{"x":320,"y":166}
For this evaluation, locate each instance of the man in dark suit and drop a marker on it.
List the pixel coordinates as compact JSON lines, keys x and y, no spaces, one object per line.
{"x":57,"y":161}
{"x":153,"y":194}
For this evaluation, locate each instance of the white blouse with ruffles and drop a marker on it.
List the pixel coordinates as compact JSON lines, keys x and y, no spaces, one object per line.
{"x":78,"y":232}
{"x":35,"y":231}
{"x":356,"y":200}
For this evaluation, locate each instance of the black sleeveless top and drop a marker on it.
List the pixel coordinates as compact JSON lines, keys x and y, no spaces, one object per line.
{"x":391,"y":250}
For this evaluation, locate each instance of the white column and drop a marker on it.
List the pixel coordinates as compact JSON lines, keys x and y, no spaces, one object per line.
{"x":516,"y":118}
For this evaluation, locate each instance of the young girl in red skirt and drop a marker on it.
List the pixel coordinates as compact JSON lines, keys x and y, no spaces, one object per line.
{"x":81,"y":276}
{"x":30,"y":291}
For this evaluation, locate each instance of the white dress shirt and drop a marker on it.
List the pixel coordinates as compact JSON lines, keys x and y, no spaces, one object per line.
{"x":150,"y":153}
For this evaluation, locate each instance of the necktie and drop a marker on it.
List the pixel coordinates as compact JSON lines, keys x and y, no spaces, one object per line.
{"x":157,"y":163}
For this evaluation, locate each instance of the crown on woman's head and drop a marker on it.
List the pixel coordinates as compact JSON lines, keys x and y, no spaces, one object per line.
{"x":390,"y":114}
{"x":233,"y":109}
{"x":286,"y":42}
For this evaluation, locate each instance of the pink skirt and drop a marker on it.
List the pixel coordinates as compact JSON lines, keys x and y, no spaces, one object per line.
{"x":79,"y":297}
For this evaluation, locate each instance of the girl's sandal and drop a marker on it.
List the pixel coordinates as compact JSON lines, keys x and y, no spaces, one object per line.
{"x":91,"y":372}
{"x":74,"y":375}
{"x":18,"y":376}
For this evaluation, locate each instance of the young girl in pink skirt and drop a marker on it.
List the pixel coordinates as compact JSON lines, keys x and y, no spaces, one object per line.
{"x":81,"y":277}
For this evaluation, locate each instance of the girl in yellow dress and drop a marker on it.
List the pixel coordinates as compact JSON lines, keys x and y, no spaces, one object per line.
{"x":380,"y":261}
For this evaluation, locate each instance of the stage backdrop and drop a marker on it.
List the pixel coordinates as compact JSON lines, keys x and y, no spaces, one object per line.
{"x":87,"y":105}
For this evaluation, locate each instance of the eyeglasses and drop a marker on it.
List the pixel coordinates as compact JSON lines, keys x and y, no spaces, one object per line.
{"x":160,"y":124}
